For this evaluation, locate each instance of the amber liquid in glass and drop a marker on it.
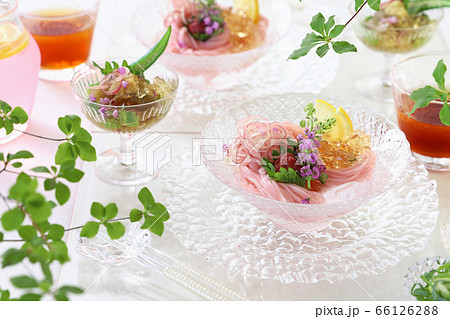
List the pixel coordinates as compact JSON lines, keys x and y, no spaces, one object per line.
{"x":64,"y":37}
{"x":423,"y":129}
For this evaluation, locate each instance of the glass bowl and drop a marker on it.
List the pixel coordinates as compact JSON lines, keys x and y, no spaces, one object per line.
{"x":388,"y":142}
{"x":119,"y":166}
{"x":416,"y":271}
{"x":396,"y":40}
{"x":212,"y":72}
{"x":391,"y":42}
{"x":428,"y":136}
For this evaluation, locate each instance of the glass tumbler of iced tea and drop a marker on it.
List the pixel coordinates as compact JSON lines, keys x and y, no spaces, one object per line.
{"x":428,"y":136}
{"x":19,"y":64}
{"x":63,"y":30}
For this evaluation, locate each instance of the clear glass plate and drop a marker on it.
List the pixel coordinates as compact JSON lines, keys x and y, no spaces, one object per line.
{"x":216,"y":222}
{"x":414,"y":272}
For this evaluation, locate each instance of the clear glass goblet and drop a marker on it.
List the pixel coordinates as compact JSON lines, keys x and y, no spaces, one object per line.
{"x":119,"y":166}
{"x":392,"y":41}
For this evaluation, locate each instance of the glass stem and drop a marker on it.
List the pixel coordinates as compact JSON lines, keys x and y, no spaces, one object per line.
{"x":386,"y":75}
{"x":127,"y":155}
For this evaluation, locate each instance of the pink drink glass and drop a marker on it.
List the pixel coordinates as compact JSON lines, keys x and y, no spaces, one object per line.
{"x":19,"y":63}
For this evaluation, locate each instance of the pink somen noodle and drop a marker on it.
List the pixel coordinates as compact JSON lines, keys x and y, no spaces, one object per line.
{"x":258,"y":138}
{"x":182,"y":42}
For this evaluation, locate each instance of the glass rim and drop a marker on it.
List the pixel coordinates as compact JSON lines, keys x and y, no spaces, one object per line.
{"x":13,"y":7}
{"x":432,"y":23}
{"x":397,"y":65}
{"x":92,"y":9}
{"x":91,"y":67}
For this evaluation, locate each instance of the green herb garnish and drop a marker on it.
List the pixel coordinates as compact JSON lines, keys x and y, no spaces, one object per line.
{"x":424,"y":96}
{"x":437,"y":285}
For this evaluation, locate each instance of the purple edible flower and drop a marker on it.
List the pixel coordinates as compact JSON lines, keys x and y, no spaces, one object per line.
{"x":92,"y":98}
{"x":125,"y":84}
{"x":122,"y":70}
{"x":105,"y":100}
{"x":312,"y":158}
{"x":115,"y":113}
{"x":315,"y":173}
{"x":317,"y":143}
{"x":300,"y":137}
{"x":306,"y":144}
{"x":311,"y":135}
{"x":302,"y":157}
{"x":207,"y":20}
{"x":216,"y":25}
{"x":306,"y":200}
{"x":209,"y":30}
{"x":103,"y":110}
{"x":305,"y":171}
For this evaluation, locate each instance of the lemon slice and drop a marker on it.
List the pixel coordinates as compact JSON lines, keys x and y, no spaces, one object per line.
{"x":12,"y":40}
{"x":249,"y":7}
{"x":343,"y":125}
{"x":9,"y":32}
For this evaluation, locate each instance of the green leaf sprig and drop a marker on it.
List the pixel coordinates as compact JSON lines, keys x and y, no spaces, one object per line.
{"x":10,"y":116}
{"x":154,"y":214}
{"x":78,"y":141}
{"x":323,"y":37}
{"x":327,"y":30}
{"x":67,"y":171}
{"x":424,"y":96}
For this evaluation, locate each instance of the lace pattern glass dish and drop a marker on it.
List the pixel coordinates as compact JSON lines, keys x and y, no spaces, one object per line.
{"x":217,"y":223}
{"x":118,"y":166}
{"x":414,"y":272}
{"x":212,"y":72}
{"x":388,"y":142}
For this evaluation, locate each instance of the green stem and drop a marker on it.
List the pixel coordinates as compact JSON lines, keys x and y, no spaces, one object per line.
{"x":17,"y":173}
{"x":66,"y":230}
{"x":42,"y":137}
{"x":356,"y":13}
